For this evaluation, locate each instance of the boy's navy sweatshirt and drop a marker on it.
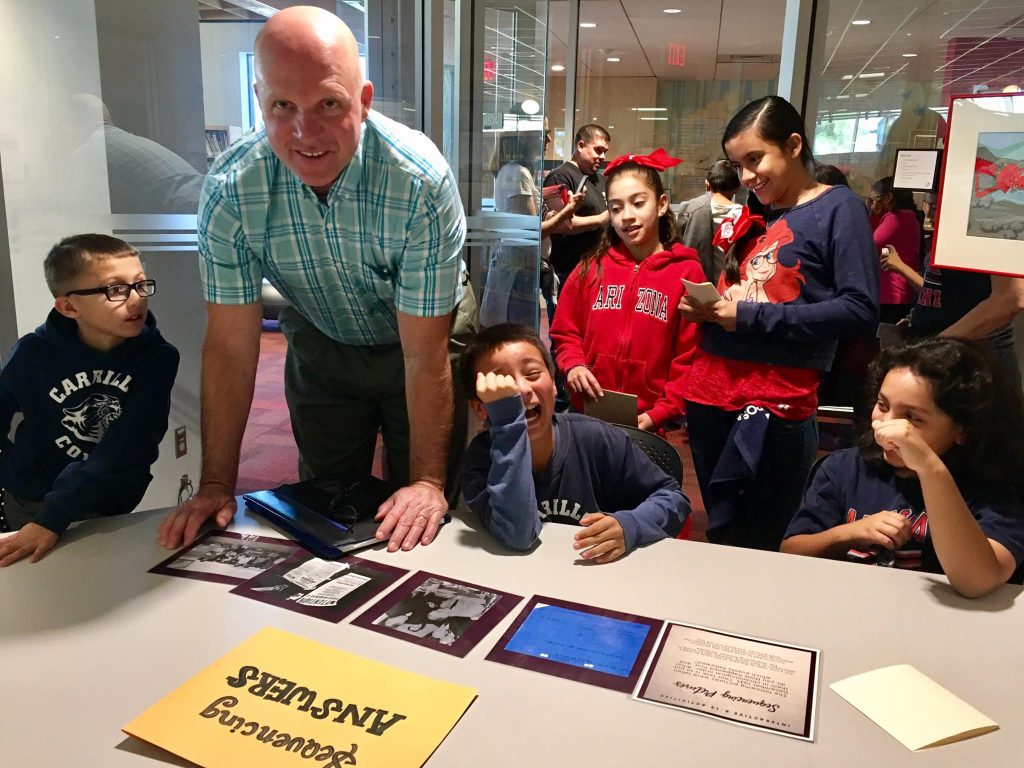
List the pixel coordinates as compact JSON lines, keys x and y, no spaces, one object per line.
{"x":92,"y":421}
{"x":595,"y":468}
{"x":829,"y":240}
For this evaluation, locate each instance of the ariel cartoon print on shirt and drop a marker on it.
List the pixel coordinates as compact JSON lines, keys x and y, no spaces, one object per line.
{"x":763,"y":277}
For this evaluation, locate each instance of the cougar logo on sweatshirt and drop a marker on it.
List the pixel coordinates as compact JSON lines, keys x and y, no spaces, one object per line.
{"x":89,"y":420}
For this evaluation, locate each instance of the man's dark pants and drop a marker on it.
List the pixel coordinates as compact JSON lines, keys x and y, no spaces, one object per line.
{"x":340,"y":396}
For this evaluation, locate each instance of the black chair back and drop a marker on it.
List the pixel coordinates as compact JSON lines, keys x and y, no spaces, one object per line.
{"x":659,"y":450}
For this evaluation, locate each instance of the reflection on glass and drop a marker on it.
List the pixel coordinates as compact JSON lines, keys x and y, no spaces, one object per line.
{"x":886,"y":86}
{"x":144,"y":176}
{"x":513,"y":276}
{"x":507,"y":98}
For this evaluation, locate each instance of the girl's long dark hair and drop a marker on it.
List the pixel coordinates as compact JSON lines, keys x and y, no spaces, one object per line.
{"x":968,"y":387}
{"x":775,"y":120}
{"x":668,"y":233}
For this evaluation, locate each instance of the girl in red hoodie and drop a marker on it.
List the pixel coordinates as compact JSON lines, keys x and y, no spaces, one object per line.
{"x":617,"y":324}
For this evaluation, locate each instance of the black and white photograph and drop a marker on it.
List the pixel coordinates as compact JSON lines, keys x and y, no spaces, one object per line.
{"x":325,"y":589}
{"x":450,"y":616}
{"x":226,"y":557}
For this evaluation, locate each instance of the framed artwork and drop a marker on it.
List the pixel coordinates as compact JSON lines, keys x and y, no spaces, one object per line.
{"x":980,"y":222}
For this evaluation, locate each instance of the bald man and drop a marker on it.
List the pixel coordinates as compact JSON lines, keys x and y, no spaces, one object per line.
{"x":357,"y":221}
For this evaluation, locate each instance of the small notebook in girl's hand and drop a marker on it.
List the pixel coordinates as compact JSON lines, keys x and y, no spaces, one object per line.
{"x":704,"y":293}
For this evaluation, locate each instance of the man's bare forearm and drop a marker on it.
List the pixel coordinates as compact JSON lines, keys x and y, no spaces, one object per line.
{"x":429,"y":398}
{"x":428,"y":394}
{"x":585,"y":223}
{"x":230,"y":356}
{"x":991,"y":314}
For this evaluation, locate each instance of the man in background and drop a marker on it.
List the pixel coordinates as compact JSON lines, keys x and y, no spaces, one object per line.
{"x":584,"y":233}
{"x":701,"y":217}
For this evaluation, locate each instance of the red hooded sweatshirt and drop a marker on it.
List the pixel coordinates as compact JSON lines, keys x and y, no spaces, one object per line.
{"x":626,"y":327}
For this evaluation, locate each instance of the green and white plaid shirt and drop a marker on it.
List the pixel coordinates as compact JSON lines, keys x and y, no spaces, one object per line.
{"x":389,"y":237}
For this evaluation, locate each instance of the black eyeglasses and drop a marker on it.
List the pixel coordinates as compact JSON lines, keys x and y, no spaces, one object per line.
{"x":119,"y":291}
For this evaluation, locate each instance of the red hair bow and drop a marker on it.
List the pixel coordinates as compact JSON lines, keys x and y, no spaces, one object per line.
{"x":659,"y":160}
{"x":732,"y":230}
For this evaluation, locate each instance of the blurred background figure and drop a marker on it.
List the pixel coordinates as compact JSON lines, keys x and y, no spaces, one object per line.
{"x":701,"y":217}
{"x":144,"y":176}
{"x":897,"y":223}
{"x":513,"y":273}
{"x":831,"y":175}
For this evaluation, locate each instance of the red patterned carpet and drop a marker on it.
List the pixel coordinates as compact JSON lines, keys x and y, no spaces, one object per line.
{"x":269,"y":456}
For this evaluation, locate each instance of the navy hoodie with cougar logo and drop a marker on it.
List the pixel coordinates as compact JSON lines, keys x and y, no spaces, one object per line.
{"x":91,"y":424}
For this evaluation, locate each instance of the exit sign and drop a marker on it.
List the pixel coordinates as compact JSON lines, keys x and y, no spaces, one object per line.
{"x":676,"y":55}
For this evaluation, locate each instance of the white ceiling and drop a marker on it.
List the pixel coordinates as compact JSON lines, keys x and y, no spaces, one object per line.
{"x":940,"y":33}
{"x":253,"y":10}
{"x":640,"y":33}
{"x":742,"y":40}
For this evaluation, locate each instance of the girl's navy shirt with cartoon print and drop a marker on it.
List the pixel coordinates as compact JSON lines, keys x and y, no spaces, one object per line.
{"x":809,"y":281}
{"x":91,"y":424}
{"x":845,"y":489}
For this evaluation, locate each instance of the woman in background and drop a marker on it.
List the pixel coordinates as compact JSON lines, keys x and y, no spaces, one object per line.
{"x":896,"y":225}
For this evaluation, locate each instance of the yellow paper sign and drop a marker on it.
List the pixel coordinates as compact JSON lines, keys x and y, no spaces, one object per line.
{"x":282,"y":700}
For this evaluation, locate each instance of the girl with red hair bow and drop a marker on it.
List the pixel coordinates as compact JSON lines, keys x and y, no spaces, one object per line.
{"x":617,"y":325}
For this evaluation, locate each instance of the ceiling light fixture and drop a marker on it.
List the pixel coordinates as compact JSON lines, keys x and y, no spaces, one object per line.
{"x":672,"y":10}
{"x":847,"y":77}
{"x":587,"y":25}
{"x":557,"y":68}
{"x":654,"y":118}
{"x":870,"y":75}
{"x":855,"y":22}
{"x":909,"y":55}
{"x":613,"y":59}
{"x":530,"y":107}
{"x":649,"y":109}
{"x":843,"y":96}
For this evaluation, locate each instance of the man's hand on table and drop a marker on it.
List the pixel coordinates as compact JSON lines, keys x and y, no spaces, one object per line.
{"x":179,"y":527}
{"x":32,"y":541}
{"x":411,"y":516}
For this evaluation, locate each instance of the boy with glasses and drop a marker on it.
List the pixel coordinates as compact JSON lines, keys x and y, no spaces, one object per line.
{"x":93,"y":386}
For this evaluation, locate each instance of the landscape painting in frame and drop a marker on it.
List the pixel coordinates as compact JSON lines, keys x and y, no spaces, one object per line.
{"x":997,"y":199}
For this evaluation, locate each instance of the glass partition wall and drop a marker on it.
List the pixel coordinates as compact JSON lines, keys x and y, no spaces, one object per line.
{"x":664,"y":73}
{"x":889,"y":67}
{"x":503,"y":141}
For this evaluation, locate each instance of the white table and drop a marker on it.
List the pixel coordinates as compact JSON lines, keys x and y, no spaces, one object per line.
{"x":89,"y":639}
